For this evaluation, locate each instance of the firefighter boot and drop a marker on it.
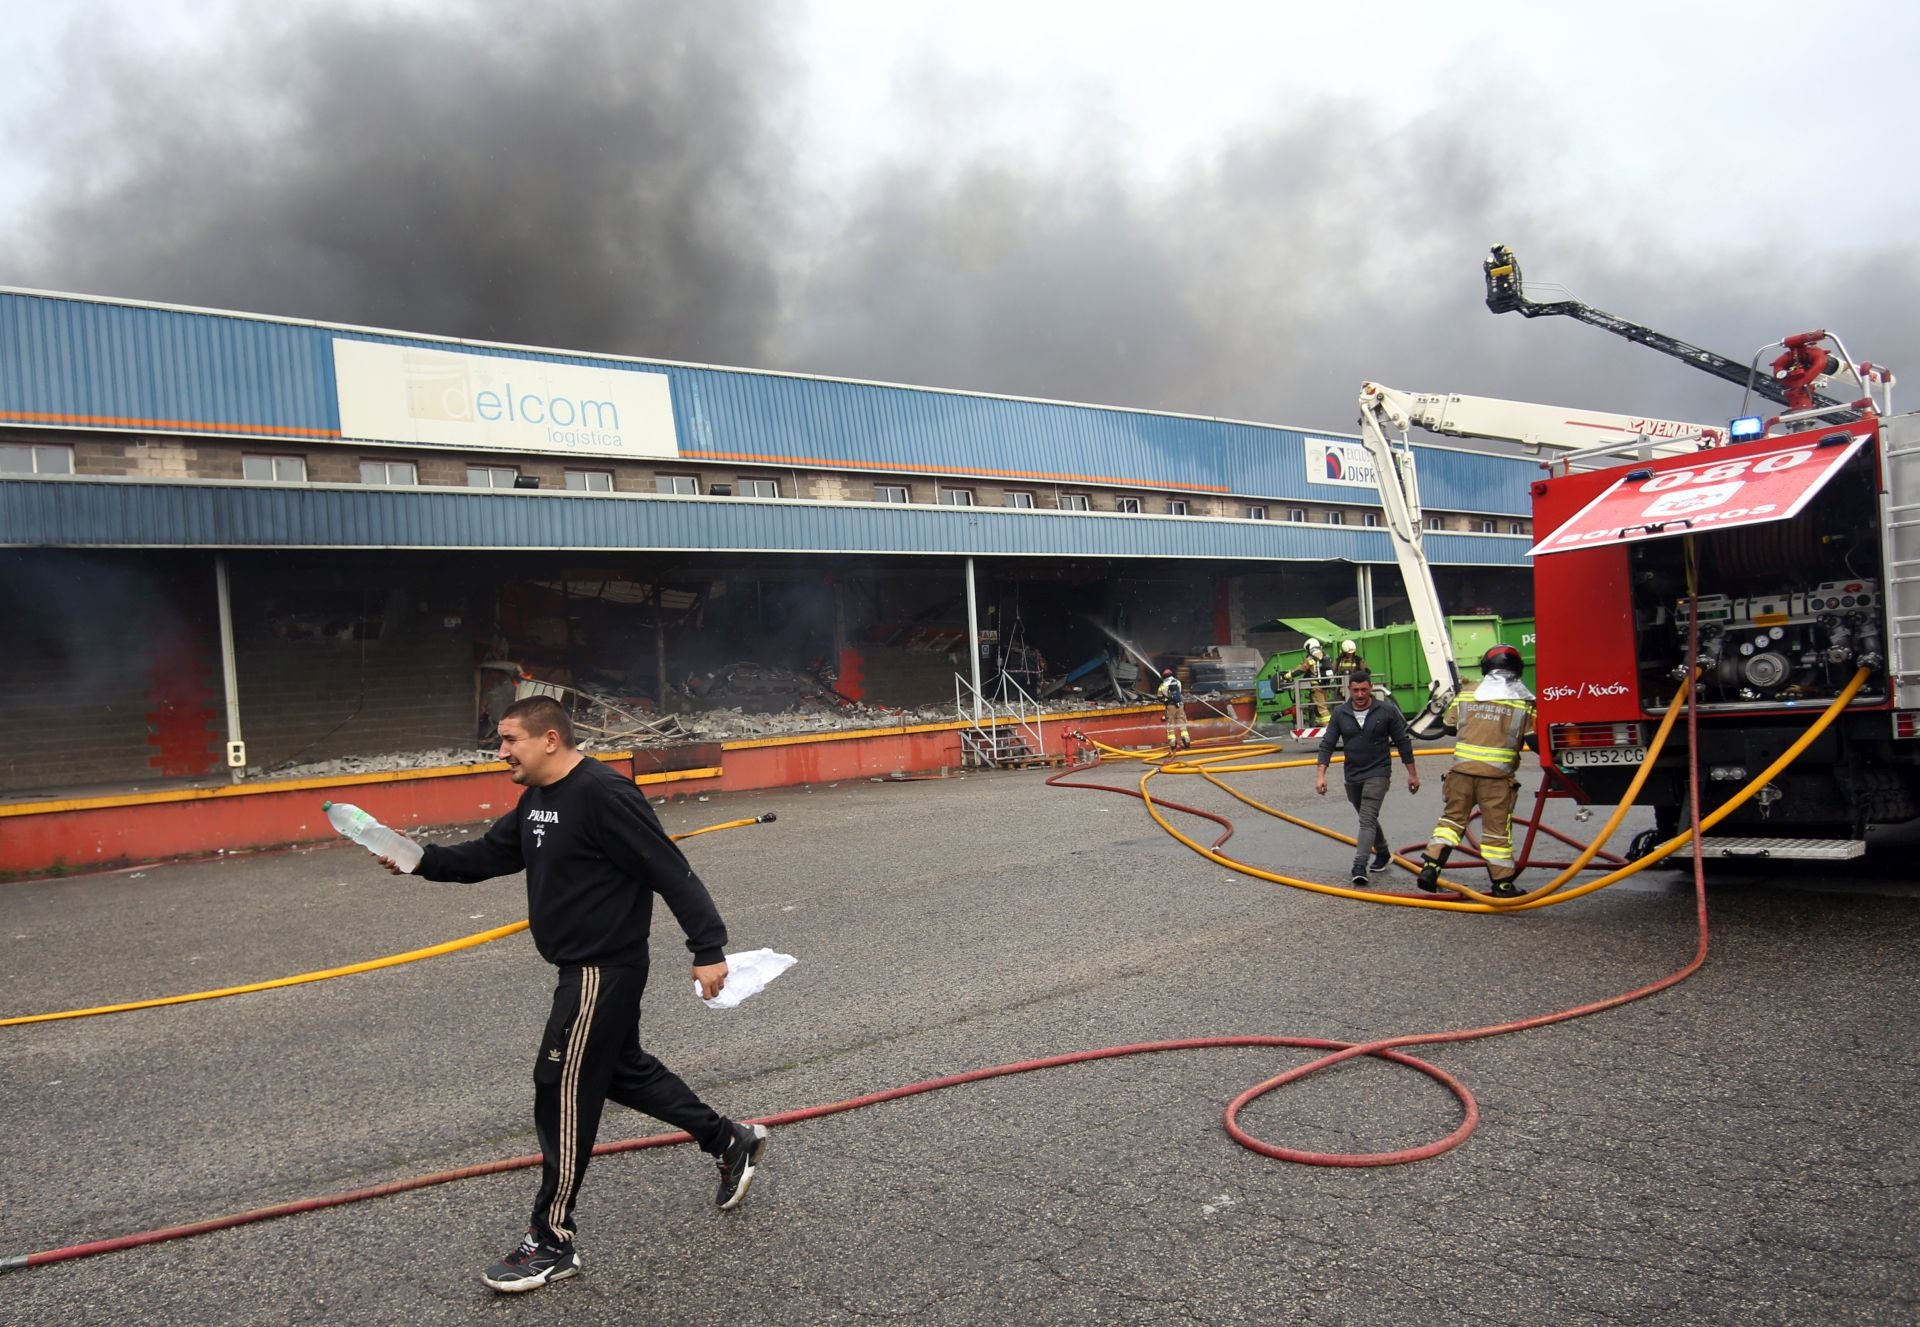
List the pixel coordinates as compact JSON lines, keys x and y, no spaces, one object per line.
{"x":1508,"y":888}
{"x":1429,"y":877}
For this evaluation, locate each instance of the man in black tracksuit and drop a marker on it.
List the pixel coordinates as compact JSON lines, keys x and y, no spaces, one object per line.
{"x":595,"y":855}
{"x":1371,"y":731}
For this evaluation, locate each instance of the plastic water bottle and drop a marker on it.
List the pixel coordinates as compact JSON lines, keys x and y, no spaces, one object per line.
{"x":370,"y":834}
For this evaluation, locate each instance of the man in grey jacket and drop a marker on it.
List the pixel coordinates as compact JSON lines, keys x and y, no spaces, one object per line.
{"x":1371,"y":732}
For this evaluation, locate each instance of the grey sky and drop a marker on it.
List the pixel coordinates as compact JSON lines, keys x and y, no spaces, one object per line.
{"x":1244,"y":210}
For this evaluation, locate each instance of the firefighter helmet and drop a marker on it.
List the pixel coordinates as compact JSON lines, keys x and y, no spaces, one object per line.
{"x":1501,"y":658}
{"x":1312,"y":645}
{"x":1348,"y":647}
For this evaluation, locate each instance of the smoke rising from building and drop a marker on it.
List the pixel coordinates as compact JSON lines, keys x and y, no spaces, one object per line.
{"x":635,"y":178}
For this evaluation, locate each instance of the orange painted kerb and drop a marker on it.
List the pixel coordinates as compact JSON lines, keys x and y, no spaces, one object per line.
{"x":89,"y":833}
{"x":92,"y":833}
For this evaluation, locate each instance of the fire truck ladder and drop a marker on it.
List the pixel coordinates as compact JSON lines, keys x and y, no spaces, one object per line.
{"x":1901,"y":435}
{"x":1505,"y":294}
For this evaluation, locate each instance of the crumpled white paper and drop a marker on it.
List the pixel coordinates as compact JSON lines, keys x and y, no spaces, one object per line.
{"x":747,"y":974}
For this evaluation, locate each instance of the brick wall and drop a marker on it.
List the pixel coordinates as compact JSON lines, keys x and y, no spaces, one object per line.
{"x":112,"y":665}
{"x":161,"y":456}
{"x":345,"y":654}
{"x":111,"y":669}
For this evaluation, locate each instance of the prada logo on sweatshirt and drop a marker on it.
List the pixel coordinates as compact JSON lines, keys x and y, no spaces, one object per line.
{"x":541,"y":819}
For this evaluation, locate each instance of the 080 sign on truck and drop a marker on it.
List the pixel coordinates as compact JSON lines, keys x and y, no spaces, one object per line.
{"x":1748,"y":490}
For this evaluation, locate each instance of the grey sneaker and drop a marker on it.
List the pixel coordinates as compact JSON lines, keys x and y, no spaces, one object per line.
{"x":738,"y":1163}
{"x":531,"y":1266}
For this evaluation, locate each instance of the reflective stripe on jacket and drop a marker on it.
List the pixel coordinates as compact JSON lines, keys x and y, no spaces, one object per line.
{"x":1491,"y":733}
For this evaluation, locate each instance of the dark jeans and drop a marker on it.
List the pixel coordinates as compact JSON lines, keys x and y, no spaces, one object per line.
{"x":590,"y":1054}
{"x":1366,"y":796}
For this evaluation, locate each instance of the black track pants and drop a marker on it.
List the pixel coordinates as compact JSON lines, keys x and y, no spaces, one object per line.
{"x":590,"y":1054}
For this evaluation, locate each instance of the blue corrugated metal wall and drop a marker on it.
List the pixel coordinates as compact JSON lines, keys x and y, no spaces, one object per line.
{"x":141,"y":513}
{"x":78,"y":363}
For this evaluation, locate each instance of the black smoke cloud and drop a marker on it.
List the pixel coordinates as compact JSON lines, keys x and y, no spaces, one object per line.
{"x":1307,"y":254}
{"x":626,"y":178}
{"x":601,"y":177}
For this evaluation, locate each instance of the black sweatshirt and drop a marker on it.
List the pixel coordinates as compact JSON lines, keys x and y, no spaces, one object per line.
{"x":595,"y":855}
{"x":1370,"y":745}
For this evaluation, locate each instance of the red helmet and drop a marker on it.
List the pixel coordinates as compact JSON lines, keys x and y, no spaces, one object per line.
{"x":1501,"y":657}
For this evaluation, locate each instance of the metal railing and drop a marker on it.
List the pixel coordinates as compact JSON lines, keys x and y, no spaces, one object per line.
{"x":999,"y":724}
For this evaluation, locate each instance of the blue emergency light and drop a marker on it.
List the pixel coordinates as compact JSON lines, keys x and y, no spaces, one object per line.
{"x":1746,"y":427}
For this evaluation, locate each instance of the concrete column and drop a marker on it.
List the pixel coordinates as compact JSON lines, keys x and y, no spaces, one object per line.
{"x":973,"y":640}
{"x":229,"y":674}
{"x":660,"y":646}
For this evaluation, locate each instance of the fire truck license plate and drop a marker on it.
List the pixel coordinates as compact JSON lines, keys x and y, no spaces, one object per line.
{"x":1600,"y":755}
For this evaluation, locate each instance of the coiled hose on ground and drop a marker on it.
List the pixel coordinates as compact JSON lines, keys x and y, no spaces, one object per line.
{"x":1388,"y":1049}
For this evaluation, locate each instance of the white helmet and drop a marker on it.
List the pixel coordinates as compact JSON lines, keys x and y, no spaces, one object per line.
{"x":1312,"y":645}
{"x":1348,"y":647}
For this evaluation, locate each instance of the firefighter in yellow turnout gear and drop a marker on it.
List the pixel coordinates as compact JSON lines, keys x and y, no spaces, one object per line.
{"x":1493,"y":725}
{"x":1313,"y":665}
{"x":1174,"y":698}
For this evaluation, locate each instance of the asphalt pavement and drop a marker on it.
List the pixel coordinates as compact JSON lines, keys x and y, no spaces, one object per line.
{"x":1740,"y":1149}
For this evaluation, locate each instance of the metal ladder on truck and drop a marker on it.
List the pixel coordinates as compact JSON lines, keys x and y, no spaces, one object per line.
{"x":1902,"y":438}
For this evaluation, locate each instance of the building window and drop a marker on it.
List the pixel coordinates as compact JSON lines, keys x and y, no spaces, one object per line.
{"x":1336,"y":518}
{"x":389,"y":472}
{"x":1131,"y":506}
{"x":1369,"y":519}
{"x":890,"y":493}
{"x":36,"y":460}
{"x":491,"y":476}
{"x":1296,"y":513}
{"x":1256,"y":513}
{"x":1515,"y":527}
{"x":274,"y":469}
{"x":684,"y":485}
{"x":759,"y":488}
{"x":1436,"y":522}
{"x":1487,"y":527}
{"x":1075,"y":502}
{"x":956,"y":497}
{"x":590,"y":481}
{"x":1176,"y":506}
{"x":1017,"y":498}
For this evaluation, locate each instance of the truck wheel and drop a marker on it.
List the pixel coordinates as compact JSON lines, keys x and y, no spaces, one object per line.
{"x":1883,"y":796}
{"x":1644,"y":843}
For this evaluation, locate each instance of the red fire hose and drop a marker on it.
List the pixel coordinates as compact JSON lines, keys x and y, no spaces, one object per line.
{"x":1336,"y":1053}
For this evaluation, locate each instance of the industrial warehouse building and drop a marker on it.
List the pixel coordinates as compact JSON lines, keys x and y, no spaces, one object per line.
{"x":230,"y":540}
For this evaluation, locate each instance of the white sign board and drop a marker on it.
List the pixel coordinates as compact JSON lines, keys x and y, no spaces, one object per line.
{"x":1344,"y":463}
{"x":1714,"y":490}
{"x":441,"y":398}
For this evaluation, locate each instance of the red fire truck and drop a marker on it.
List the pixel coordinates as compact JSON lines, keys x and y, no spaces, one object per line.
{"x":1793,"y":545}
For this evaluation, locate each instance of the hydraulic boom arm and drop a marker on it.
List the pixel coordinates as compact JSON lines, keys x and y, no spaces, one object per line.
{"x":1386,"y":415}
{"x":1505,"y":294}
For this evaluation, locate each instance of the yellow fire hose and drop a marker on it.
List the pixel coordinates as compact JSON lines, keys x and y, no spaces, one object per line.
{"x":1209,"y":766}
{"x":326,"y":974}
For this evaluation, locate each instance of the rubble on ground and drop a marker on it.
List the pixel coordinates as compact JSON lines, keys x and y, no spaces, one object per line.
{"x":729,"y":724}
